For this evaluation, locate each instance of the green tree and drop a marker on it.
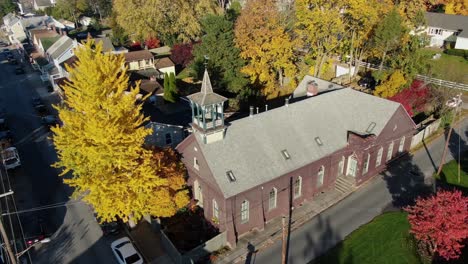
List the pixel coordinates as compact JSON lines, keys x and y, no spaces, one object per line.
{"x":6,"y":6}
{"x":266,"y":46}
{"x":170,"y":88}
{"x":388,"y":34}
{"x":168,"y":20}
{"x":411,"y":58}
{"x":101,"y":143}
{"x":225,"y":64}
{"x":70,"y":9}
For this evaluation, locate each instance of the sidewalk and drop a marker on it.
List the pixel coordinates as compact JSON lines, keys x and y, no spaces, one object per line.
{"x":272,"y":231}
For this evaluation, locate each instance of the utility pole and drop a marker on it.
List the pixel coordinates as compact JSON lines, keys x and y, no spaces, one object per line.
{"x":4,"y":235}
{"x":441,"y":165}
{"x":283,"y":250}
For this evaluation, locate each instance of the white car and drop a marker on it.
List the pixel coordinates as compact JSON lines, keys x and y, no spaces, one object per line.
{"x":11,"y":158}
{"x":125,"y":252}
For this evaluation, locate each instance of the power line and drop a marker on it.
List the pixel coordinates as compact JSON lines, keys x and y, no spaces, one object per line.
{"x":45,"y":207}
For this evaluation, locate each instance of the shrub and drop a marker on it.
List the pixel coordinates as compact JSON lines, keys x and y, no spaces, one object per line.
{"x":182,"y":54}
{"x":413,"y":98}
{"x":457,"y":52}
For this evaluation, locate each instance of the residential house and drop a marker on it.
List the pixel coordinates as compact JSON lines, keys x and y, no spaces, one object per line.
{"x":64,"y":24}
{"x":42,"y":39}
{"x":14,"y":28}
{"x":85,"y":21}
{"x":139,"y":60}
{"x":250,"y":171}
{"x":43,"y":4}
{"x":165,"y":135}
{"x":59,"y":52}
{"x":444,"y":29}
{"x":165,"y":65}
{"x":108,"y":47}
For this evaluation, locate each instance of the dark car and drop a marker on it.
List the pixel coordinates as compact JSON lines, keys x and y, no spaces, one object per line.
{"x":36,"y":101}
{"x":109,"y":228}
{"x":41,"y":110}
{"x":13,"y":61}
{"x":19,"y":70}
{"x":50,"y":120}
{"x":367,"y":82}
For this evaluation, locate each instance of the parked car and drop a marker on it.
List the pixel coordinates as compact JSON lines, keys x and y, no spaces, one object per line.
{"x":10,"y":158}
{"x":49,"y":120}
{"x":367,"y":82}
{"x":19,"y":70}
{"x":41,"y":110}
{"x":125,"y":252}
{"x":13,"y":61}
{"x":36,"y":101}
{"x":109,"y":228}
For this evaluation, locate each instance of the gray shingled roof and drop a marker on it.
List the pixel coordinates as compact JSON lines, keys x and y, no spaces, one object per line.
{"x":451,"y":22}
{"x":206,"y":96}
{"x":63,"y":44}
{"x":107,"y":45}
{"x":301,"y":89}
{"x":252,"y":146}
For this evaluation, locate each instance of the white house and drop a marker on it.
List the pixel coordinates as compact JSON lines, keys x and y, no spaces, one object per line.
{"x":14,"y":28}
{"x":165,"y":65}
{"x":63,"y":24}
{"x":165,"y":135}
{"x":43,"y":4}
{"x":444,"y":29}
{"x":58,"y":53}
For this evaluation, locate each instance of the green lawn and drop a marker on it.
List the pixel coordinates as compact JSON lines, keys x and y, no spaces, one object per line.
{"x":450,"y":172}
{"x":448,"y":67}
{"x":384,"y":240}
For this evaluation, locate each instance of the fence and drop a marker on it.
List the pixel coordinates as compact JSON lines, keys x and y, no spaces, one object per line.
{"x":424,"y":132}
{"x":193,"y":255}
{"x":448,"y":84}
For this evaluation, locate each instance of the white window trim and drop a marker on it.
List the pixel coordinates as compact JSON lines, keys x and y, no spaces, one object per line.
{"x":215,"y":210}
{"x":245,"y":211}
{"x":390,"y":151}
{"x":195,"y":163}
{"x":401,"y":147}
{"x":348,"y":168}
{"x":297,"y":195}
{"x":320,"y":176}
{"x":366,"y":164}
{"x":270,"y":207}
{"x":378,"y":161}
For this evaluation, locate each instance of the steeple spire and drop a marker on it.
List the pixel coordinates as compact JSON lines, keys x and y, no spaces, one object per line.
{"x":206,"y":87}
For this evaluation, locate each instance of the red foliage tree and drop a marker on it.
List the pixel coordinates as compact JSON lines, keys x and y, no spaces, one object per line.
{"x":440,"y":222}
{"x":413,"y":98}
{"x":135,"y":46}
{"x":152,"y":43}
{"x":182,"y":54}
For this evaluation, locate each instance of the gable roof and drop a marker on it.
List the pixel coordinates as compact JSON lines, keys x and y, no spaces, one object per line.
{"x":138,"y":55}
{"x":206,"y":96}
{"x":163,"y":63}
{"x":446,"y":21}
{"x":42,"y":33}
{"x":252,"y":146}
{"x":107,"y":45}
{"x":41,"y":3}
{"x":301,"y":89}
{"x":63,"y":44}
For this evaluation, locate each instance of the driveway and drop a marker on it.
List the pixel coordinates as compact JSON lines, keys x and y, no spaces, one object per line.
{"x":395,"y":188}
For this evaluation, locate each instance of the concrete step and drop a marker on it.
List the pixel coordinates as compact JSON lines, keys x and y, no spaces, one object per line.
{"x":344,"y":184}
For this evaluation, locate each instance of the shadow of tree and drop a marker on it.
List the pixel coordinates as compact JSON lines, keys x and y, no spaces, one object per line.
{"x":405,"y":182}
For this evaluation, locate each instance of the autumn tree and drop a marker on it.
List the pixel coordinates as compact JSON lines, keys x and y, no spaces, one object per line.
{"x":440,"y":223}
{"x":388,"y":34}
{"x":391,"y":85}
{"x":100,"y":145}
{"x":414,"y":98}
{"x":411,"y":10}
{"x":456,"y":7}
{"x":217,"y":49}
{"x":70,"y":9}
{"x":169,"y":20}
{"x":182,"y":54}
{"x":6,"y":6}
{"x":266,"y":46}
{"x":320,"y":27}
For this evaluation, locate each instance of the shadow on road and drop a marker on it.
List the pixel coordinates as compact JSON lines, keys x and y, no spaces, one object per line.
{"x":405,"y":182}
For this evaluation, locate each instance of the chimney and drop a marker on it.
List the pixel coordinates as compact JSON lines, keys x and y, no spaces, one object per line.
{"x":266,"y":108}
{"x":153,"y":78}
{"x":251,"y":111}
{"x":286,"y":102}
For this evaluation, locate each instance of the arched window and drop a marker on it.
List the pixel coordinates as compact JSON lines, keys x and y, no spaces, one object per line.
{"x":297,"y":187}
{"x":378,"y":161}
{"x":365,"y":167}
{"x":402,"y":144}
{"x":245,"y":211}
{"x":215,"y":209}
{"x":341,"y":166}
{"x":390,"y":151}
{"x":272,"y":197}
{"x":352,"y":166}
{"x":198,"y":193}
{"x":320,"y":176}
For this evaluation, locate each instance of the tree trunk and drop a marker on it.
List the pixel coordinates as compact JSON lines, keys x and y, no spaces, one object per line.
{"x":280,"y":77}
{"x":320,"y":65}
{"x":351,"y":58}
{"x":383,"y":59}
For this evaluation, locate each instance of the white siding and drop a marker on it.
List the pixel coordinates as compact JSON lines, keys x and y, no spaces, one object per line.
{"x":462,"y":43}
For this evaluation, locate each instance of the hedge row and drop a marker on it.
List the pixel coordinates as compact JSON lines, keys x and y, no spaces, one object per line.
{"x":457,"y":52}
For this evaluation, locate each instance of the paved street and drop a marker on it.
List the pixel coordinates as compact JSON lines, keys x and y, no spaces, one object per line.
{"x":75,"y":235}
{"x":396,"y":188}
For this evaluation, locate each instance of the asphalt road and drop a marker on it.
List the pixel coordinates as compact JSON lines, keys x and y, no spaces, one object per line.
{"x":75,"y":235}
{"x":398,"y":186}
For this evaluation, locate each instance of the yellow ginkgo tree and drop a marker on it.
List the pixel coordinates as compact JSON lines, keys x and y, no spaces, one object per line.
{"x":100,"y":144}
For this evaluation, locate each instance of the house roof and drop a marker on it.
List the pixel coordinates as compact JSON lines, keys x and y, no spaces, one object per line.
{"x":163,"y":63}
{"x":149,"y":86}
{"x":42,"y":33}
{"x":144,"y":74}
{"x":446,"y":21}
{"x":70,"y":62}
{"x":301,"y":89}
{"x":43,"y":2}
{"x":206,"y":96}
{"x":47,"y":42}
{"x":106,"y":44}
{"x":63,"y":44}
{"x":252,"y":146}
{"x":138,"y":55}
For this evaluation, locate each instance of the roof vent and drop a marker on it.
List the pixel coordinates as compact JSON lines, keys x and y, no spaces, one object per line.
{"x":370,"y":127}
{"x":319,"y":141}
{"x":231,"y":176}
{"x":286,"y":155}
